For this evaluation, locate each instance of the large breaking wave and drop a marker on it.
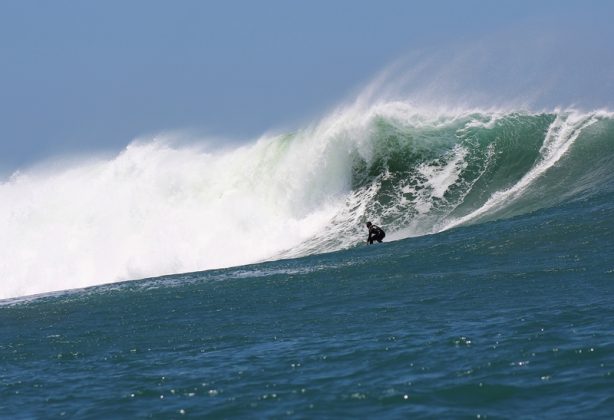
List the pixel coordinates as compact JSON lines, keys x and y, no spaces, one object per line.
{"x":157,"y":208}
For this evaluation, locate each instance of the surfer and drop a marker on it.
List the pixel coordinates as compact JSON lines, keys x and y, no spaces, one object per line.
{"x":376,"y":233}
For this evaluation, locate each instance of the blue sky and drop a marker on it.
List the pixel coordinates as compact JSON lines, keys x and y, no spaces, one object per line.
{"x":88,"y":76}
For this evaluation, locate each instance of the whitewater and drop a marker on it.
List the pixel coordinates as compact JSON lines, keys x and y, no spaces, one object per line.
{"x":159,"y":207}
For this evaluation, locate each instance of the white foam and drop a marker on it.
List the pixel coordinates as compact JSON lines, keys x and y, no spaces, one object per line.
{"x":155,"y":209}
{"x":440,"y":178}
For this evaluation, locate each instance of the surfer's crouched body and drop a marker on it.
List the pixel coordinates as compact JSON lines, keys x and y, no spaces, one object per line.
{"x":375,"y":233}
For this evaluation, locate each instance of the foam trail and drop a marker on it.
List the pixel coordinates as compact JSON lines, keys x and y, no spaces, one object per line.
{"x":561,"y":135}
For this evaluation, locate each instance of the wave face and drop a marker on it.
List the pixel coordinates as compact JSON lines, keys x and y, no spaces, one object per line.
{"x":157,"y":209}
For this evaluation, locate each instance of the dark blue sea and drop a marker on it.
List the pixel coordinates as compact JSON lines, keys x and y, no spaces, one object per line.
{"x":490,"y":298}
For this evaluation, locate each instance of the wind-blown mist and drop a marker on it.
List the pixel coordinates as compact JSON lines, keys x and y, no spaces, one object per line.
{"x":523,"y":68}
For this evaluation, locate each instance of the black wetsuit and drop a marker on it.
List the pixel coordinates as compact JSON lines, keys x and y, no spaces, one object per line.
{"x":375,"y":234}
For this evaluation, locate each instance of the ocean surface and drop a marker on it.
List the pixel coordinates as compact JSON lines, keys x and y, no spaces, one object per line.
{"x":491,"y":297}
